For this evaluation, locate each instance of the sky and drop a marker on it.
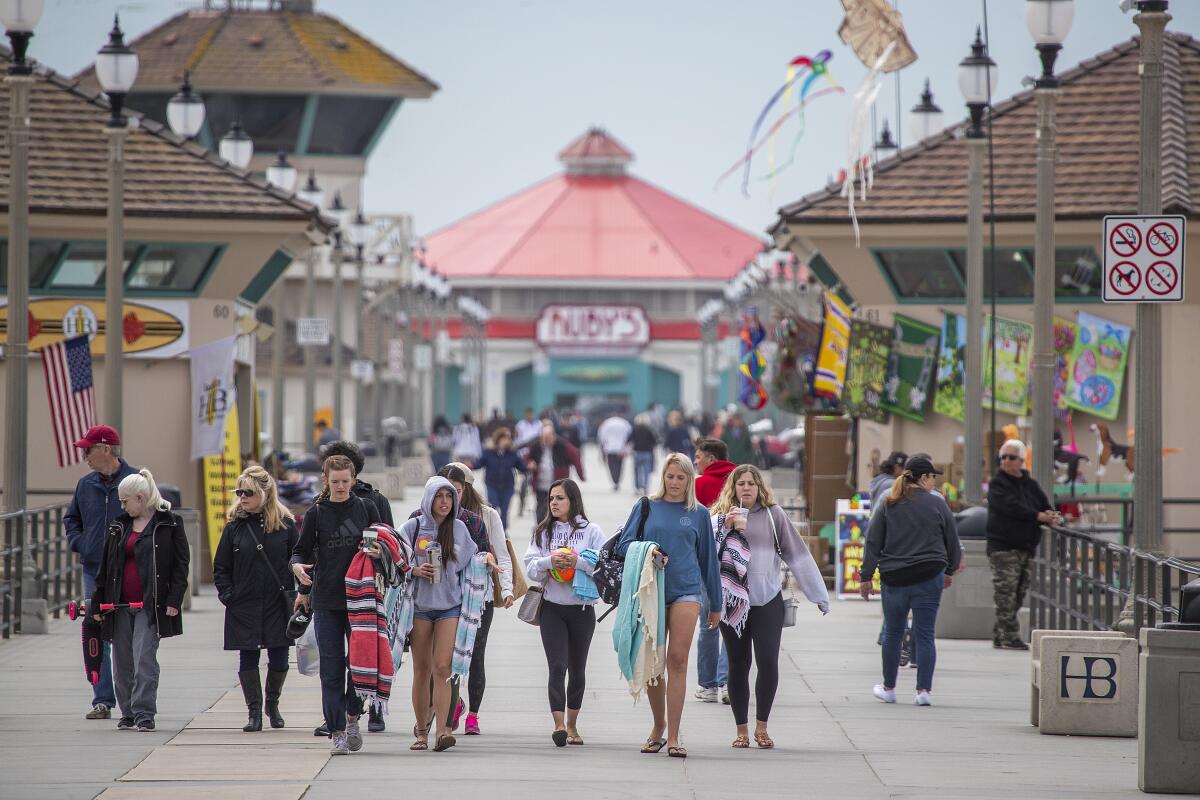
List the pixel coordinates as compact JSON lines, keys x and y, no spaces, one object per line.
{"x":679,"y":82}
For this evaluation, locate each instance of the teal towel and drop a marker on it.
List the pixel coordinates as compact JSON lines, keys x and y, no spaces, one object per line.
{"x":584,"y":586}
{"x":627,"y":629}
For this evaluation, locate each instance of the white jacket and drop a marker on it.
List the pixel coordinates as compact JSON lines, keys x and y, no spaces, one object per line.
{"x":537,"y":558}
{"x":497,"y":537}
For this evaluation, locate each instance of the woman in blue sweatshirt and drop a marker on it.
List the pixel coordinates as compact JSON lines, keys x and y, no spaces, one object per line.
{"x":683,"y":532}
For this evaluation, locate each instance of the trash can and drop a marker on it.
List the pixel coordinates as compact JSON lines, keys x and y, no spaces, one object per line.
{"x":191,"y":528}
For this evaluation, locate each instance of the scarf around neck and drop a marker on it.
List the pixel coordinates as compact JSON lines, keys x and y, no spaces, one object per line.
{"x":735,"y":592}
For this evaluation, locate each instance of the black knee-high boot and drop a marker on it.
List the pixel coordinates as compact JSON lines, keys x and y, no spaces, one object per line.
{"x":252,"y":690}
{"x":275,"y":681}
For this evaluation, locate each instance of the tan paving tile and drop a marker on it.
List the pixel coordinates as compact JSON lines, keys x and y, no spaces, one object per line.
{"x":234,"y":720}
{"x":178,"y":791}
{"x":267,"y":737}
{"x":228,"y":763}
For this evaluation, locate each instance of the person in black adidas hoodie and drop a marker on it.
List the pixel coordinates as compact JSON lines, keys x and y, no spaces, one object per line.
{"x":329,"y":540}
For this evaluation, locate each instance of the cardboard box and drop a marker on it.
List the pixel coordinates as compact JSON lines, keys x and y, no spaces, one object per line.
{"x":819,"y":547}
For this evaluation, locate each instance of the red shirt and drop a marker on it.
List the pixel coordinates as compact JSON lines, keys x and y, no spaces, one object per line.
{"x":131,"y":581}
{"x":710,"y":483}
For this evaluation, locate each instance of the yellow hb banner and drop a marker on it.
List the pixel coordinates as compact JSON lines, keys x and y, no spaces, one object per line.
{"x":220,"y":474}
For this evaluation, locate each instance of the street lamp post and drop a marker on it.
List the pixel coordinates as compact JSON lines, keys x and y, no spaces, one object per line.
{"x":185,"y":111}
{"x":360,"y":234}
{"x":925,"y":118}
{"x":1151,"y":20}
{"x":337,"y":259}
{"x":977,"y":79}
{"x":116,"y":69}
{"x":310,"y":193}
{"x":1048,"y":21}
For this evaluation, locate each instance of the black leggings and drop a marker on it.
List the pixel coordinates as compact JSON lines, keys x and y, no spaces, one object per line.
{"x":761,"y":632}
{"x":277,"y":659}
{"x":567,"y":637}
{"x":477,"y":680}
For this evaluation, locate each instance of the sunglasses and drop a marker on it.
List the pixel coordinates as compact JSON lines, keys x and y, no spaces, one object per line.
{"x":244,"y":492}
{"x":1009,"y":457}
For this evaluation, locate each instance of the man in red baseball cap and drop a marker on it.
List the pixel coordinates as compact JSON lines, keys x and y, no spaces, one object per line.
{"x":94,"y":505}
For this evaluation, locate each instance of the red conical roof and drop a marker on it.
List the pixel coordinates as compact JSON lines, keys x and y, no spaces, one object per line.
{"x":594,"y":222}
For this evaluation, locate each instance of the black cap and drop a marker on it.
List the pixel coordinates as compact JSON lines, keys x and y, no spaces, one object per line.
{"x":896,"y":458}
{"x":920,"y":465}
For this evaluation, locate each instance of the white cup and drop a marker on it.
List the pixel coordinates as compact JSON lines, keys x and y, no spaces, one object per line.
{"x":369,"y":537}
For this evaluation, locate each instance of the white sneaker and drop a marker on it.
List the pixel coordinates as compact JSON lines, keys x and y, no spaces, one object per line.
{"x":706,"y":695}
{"x":725,"y":695}
{"x":340,"y":746}
{"x":884,"y":695}
{"x":353,"y":734}
{"x":922,"y":699}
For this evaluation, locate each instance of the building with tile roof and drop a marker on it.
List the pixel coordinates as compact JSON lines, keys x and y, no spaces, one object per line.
{"x":587,"y":249}
{"x":912,"y":256}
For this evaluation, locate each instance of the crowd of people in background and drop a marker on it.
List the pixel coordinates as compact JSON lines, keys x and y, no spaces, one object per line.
{"x":706,"y":540}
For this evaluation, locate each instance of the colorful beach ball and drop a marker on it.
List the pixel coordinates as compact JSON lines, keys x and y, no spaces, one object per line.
{"x":563,"y":575}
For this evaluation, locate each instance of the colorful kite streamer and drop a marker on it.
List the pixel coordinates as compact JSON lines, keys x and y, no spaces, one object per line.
{"x":752,"y":366}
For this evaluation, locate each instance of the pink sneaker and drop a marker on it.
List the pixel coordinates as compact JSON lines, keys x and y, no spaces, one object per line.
{"x":458,"y":712}
{"x":472,"y":725}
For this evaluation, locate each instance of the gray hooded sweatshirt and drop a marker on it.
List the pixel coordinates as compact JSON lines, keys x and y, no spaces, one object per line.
{"x":421,"y":531}
{"x":915,"y":534}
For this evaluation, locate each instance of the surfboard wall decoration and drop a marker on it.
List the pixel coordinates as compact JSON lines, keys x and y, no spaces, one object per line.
{"x":157,"y":330}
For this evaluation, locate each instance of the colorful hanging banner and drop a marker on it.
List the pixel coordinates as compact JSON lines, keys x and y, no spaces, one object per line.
{"x":791,"y":382}
{"x":835,"y":342}
{"x":1014,"y":347}
{"x":752,"y":364}
{"x":949,"y":399}
{"x":910,"y":368}
{"x":1065,"y":333}
{"x":866,"y":370}
{"x":1098,"y":368}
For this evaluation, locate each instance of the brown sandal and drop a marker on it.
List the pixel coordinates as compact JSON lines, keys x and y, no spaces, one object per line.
{"x":654,"y":745}
{"x":677,"y":752}
{"x":741,"y":742}
{"x":574,"y":738}
{"x":422,"y":739}
{"x":444,"y":742}
{"x":763,"y":740}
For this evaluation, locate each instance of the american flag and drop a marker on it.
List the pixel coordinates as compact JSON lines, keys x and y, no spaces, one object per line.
{"x":68,"y":368}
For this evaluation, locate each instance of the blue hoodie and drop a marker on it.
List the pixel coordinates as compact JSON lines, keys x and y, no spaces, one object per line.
{"x":687,"y":539}
{"x":93,"y":506}
{"x":447,"y":593}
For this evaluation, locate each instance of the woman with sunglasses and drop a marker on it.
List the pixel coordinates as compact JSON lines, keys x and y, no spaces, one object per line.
{"x":252,"y":575}
{"x":913,"y":542}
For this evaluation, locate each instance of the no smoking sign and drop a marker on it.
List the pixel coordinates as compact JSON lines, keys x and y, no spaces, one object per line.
{"x":1143,"y":259}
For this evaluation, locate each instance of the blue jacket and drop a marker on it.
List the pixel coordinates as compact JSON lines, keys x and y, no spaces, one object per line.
{"x":91,"y":509}
{"x":500,"y":468}
{"x":687,"y":539}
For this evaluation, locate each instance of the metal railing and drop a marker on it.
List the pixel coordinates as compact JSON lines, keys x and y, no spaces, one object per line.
{"x":1081,"y":582}
{"x":36,"y":535}
{"x":1124,"y":514}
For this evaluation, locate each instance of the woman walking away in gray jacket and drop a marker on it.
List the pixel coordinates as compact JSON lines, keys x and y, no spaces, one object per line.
{"x":756,"y":538}
{"x":913,"y":542}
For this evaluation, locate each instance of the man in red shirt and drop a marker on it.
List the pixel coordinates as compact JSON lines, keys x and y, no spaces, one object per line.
{"x":713,"y":469}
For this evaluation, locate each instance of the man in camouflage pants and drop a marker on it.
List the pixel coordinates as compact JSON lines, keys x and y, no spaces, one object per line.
{"x":1017,"y":510}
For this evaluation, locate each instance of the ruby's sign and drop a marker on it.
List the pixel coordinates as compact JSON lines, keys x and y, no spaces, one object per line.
{"x":613,"y":330}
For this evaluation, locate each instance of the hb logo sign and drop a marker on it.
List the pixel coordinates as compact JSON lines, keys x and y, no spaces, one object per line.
{"x":1084,"y":677}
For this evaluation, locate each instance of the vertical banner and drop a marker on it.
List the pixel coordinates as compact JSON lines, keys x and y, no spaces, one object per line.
{"x":795,"y":363}
{"x":1098,"y":368}
{"x":910,"y":368}
{"x":866,"y":370}
{"x":219,"y":474}
{"x":213,"y":394}
{"x":1065,"y":333}
{"x":851,"y":539}
{"x":1013,"y":348}
{"x":835,"y":342}
{"x":950,"y":397}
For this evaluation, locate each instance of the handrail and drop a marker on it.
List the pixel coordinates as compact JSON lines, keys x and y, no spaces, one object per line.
{"x":36,"y":538}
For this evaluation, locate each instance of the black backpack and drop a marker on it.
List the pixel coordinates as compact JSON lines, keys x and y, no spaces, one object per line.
{"x":610,"y":568}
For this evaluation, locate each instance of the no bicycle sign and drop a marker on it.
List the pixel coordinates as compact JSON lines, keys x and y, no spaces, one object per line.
{"x":1143,"y":259}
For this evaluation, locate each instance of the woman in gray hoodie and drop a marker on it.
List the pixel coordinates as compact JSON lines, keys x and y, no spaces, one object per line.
{"x":757,"y":538}
{"x":437,"y":600}
{"x":913,"y":542}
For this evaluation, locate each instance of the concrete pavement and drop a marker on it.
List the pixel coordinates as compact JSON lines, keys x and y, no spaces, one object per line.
{"x":833,"y":738}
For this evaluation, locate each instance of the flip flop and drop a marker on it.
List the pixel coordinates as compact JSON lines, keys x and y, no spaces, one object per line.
{"x":560,"y":738}
{"x":677,"y":752}
{"x":654,"y":745}
{"x":444,"y":742}
{"x":575,"y":739}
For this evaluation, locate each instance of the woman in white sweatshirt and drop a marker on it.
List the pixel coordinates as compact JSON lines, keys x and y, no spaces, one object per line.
{"x":755,"y":537}
{"x":463,"y":479}
{"x":562,"y":553}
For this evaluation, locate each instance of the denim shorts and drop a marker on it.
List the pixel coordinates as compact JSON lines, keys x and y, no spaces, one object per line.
{"x":437,"y":616}
{"x":698,"y":599}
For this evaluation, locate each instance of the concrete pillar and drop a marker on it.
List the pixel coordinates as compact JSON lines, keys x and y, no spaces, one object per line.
{"x":1169,"y":711}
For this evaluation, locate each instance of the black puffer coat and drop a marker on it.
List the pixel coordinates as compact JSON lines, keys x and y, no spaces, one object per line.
{"x":162,"y":556}
{"x":256,"y":615}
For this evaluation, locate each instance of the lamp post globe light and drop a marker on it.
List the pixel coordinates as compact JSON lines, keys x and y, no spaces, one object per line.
{"x":1048,"y":21}
{"x":236,"y":146}
{"x":886,"y":146}
{"x":116,"y":70}
{"x":310,"y":192}
{"x":19,"y":18}
{"x":282,"y":174}
{"x":925,"y":118}
{"x":185,"y":111}
{"x":977,"y":77}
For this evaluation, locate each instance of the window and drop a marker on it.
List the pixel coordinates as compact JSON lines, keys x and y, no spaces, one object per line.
{"x":920,"y":274}
{"x":172,"y":267}
{"x":43,"y":255}
{"x":346,"y":126}
{"x":1014,"y":272}
{"x":84,"y":265}
{"x":1077,"y":272}
{"x":271,"y":120}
